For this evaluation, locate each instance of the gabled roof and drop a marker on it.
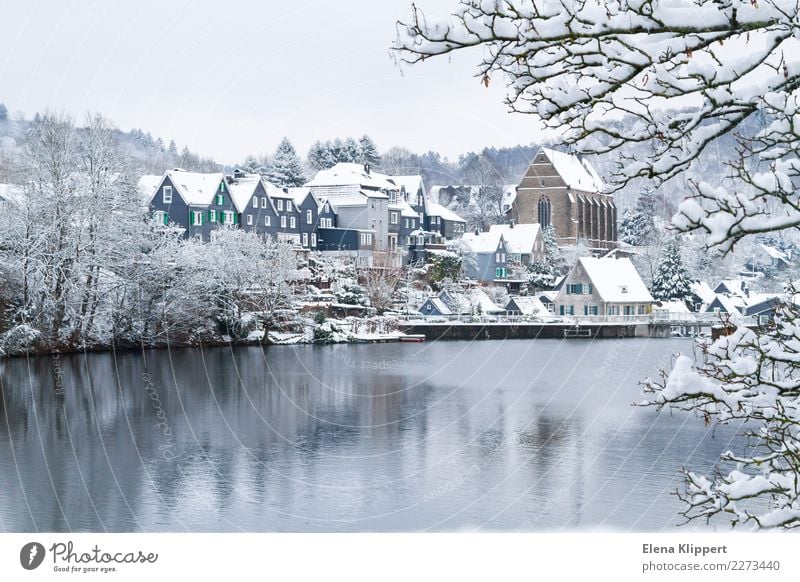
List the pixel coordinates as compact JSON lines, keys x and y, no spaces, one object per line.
{"x":350,"y":174}
{"x":435,"y":209}
{"x":730,"y":303}
{"x":242,"y":190}
{"x":412,"y":184}
{"x":576,"y":171}
{"x":483,"y":242}
{"x":519,"y":238}
{"x":527,"y":305}
{"x":193,"y":187}
{"x":616,"y":280}
{"x":731,"y":286}
{"x":404,"y":208}
{"x":703,"y":290}
{"x":299,"y":195}
{"x":440,"y":306}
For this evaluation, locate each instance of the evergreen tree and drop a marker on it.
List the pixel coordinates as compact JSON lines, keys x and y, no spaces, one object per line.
{"x":368,"y":152}
{"x":350,"y":151}
{"x":671,"y":280}
{"x":319,"y":156}
{"x":173,"y":147}
{"x":555,"y":257}
{"x":251,"y":165}
{"x":626,"y":228}
{"x":285,"y":168}
{"x":4,"y":113}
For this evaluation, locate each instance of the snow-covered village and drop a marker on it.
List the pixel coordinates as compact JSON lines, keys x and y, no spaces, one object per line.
{"x":534,"y":268}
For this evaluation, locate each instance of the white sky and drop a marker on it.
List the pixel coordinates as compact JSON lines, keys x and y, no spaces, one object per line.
{"x":232,"y":78}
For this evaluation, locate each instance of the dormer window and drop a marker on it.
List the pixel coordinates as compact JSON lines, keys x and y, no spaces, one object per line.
{"x":220,"y":199}
{"x":166,"y":194}
{"x":623,"y":288}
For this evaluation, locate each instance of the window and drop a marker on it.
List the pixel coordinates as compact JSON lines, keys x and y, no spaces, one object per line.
{"x":220,"y":199}
{"x":288,"y":205}
{"x":196,"y":217}
{"x":421,"y":240}
{"x":292,"y":222}
{"x":587,"y":289}
{"x":502,"y":257}
{"x":314,"y":239}
{"x":642,"y":310}
{"x":407,"y":223}
{"x":369,"y":238}
{"x":228,"y":217}
{"x":393,"y":217}
{"x":249,"y":220}
{"x":575,"y":288}
{"x":570,"y":310}
{"x":280,"y":204}
{"x":497,"y":257}
{"x":255,"y":202}
{"x":309,"y":217}
{"x":499,"y":273}
{"x":613,"y":309}
{"x":305,"y":239}
{"x":591,"y":310}
{"x":166,"y":195}
{"x":162,"y":217}
{"x":266,"y":221}
{"x":283,"y":221}
{"x":212,"y":215}
{"x":222,"y":186}
{"x":544,"y":211}
{"x":363,"y":238}
{"x":623,"y":288}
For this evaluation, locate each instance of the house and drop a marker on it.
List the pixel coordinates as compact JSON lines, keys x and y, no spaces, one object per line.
{"x":255,"y":206}
{"x":194,"y":202}
{"x":525,"y":241}
{"x":359,"y":198}
{"x":471,"y":302}
{"x":565,"y":191}
{"x":444,"y":221}
{"x":732,"y":287}
{"x":762,"y":306}
{"x":724,"y":303}
{"x":702,"y":295}
{"x":307,"y":207}
{"x":767,"y":258}
{"x":490,"y":257}
{"x":526,"y":305}
{"x":596,"y":286}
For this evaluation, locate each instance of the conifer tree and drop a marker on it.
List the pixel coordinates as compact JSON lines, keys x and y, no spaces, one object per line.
{"x":285,"y":168}
{"x":671,"y":280}
{"x":368,"y":152}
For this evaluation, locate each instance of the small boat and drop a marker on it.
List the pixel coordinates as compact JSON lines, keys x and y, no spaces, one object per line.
{"x":418,"y":337}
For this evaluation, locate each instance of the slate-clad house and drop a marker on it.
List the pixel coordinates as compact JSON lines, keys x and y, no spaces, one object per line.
{"x":491,"y":256}
{"x":444,"y":221}
{"x":525,"y":241}
{"x":256,"y":210}
{"x":196,"y":203}
{"x":607,"y":286}
{"x":308,"y":210}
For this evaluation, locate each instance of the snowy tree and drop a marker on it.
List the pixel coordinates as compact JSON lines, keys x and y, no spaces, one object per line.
{"x":485,"y":205}
{"x":173,"y":148}
{"x":368,"y":152}
{"x":252,"y":165}
{"x":444,"y":265}
{"x":671,"y":280}
{"x":637,"y":227}
{"x":380,"y":281}
{"x":285,"y":168}
{"x":349,"y":151}
{"x":3,"y":113}
{"x":681,"y":75}
{"x":556,"y":260}
{"x":319,"y":156}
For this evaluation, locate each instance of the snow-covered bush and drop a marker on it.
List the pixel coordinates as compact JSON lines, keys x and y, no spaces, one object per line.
{"x":20,"y":339}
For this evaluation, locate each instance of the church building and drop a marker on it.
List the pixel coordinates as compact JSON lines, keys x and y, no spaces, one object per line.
{"x":565,"y":191}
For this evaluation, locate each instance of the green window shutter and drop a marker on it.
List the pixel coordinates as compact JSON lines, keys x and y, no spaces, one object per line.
{"x":166,"y":219}
{"x":235,"y":218}
{"x":191,"y":217}
{"x":210,"y":216}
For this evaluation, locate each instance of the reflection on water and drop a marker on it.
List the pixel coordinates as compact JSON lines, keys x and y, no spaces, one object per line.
{"x":513,"y":435}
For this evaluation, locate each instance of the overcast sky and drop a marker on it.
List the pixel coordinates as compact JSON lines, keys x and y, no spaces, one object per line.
{"x":232,"y":78}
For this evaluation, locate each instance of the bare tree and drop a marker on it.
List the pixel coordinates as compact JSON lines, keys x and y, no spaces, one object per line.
{"x":380,"y":281}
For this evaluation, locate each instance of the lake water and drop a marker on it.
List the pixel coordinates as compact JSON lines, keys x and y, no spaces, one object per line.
{"x":523,"y":435}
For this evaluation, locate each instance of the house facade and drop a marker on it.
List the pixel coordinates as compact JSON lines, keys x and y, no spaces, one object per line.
{"x":603,"y":287}
{"x":490,"y":257}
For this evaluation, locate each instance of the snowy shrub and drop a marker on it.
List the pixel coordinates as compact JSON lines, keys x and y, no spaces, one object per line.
{"x":20,"y":339}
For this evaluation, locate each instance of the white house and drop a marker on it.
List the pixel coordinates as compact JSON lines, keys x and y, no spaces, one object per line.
{"x":603,"y":287}
{"x":525,"y":241}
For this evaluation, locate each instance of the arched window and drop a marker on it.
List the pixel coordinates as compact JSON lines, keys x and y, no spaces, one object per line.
{"x":544,"y":211}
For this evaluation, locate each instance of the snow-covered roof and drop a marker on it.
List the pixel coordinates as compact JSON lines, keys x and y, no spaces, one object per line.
{"x":354,"y":199}
{"x":351,"y":174}
{"x":730,"y":303}
{"x":195,"y":188}
{"x":528,"y":305}
{"x":440,"y":306}
{"x":576,"y":171}
{"x":509,"y":196}
{"x":482,"y":242}
{"x":299,"y":194}
{"x":412,"y":184}
{"x":616,"y":280}
{"x":435,"y":209}
{"x":147,"y":186}
{"x":242,"y":190}
{"x":519,"y":238}
{"x":775,"y":253}
{"x":734,"y":286}
{"x":703,"y":290}
{"x":404,"y":208}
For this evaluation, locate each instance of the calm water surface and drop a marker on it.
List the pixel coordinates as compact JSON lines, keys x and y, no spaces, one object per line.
{"x":526,"y":435}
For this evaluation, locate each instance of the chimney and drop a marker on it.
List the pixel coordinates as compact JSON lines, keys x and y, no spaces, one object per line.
{"x":366,"y":168}
{"x":512,"y":223}
{"x":285,"y":190}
